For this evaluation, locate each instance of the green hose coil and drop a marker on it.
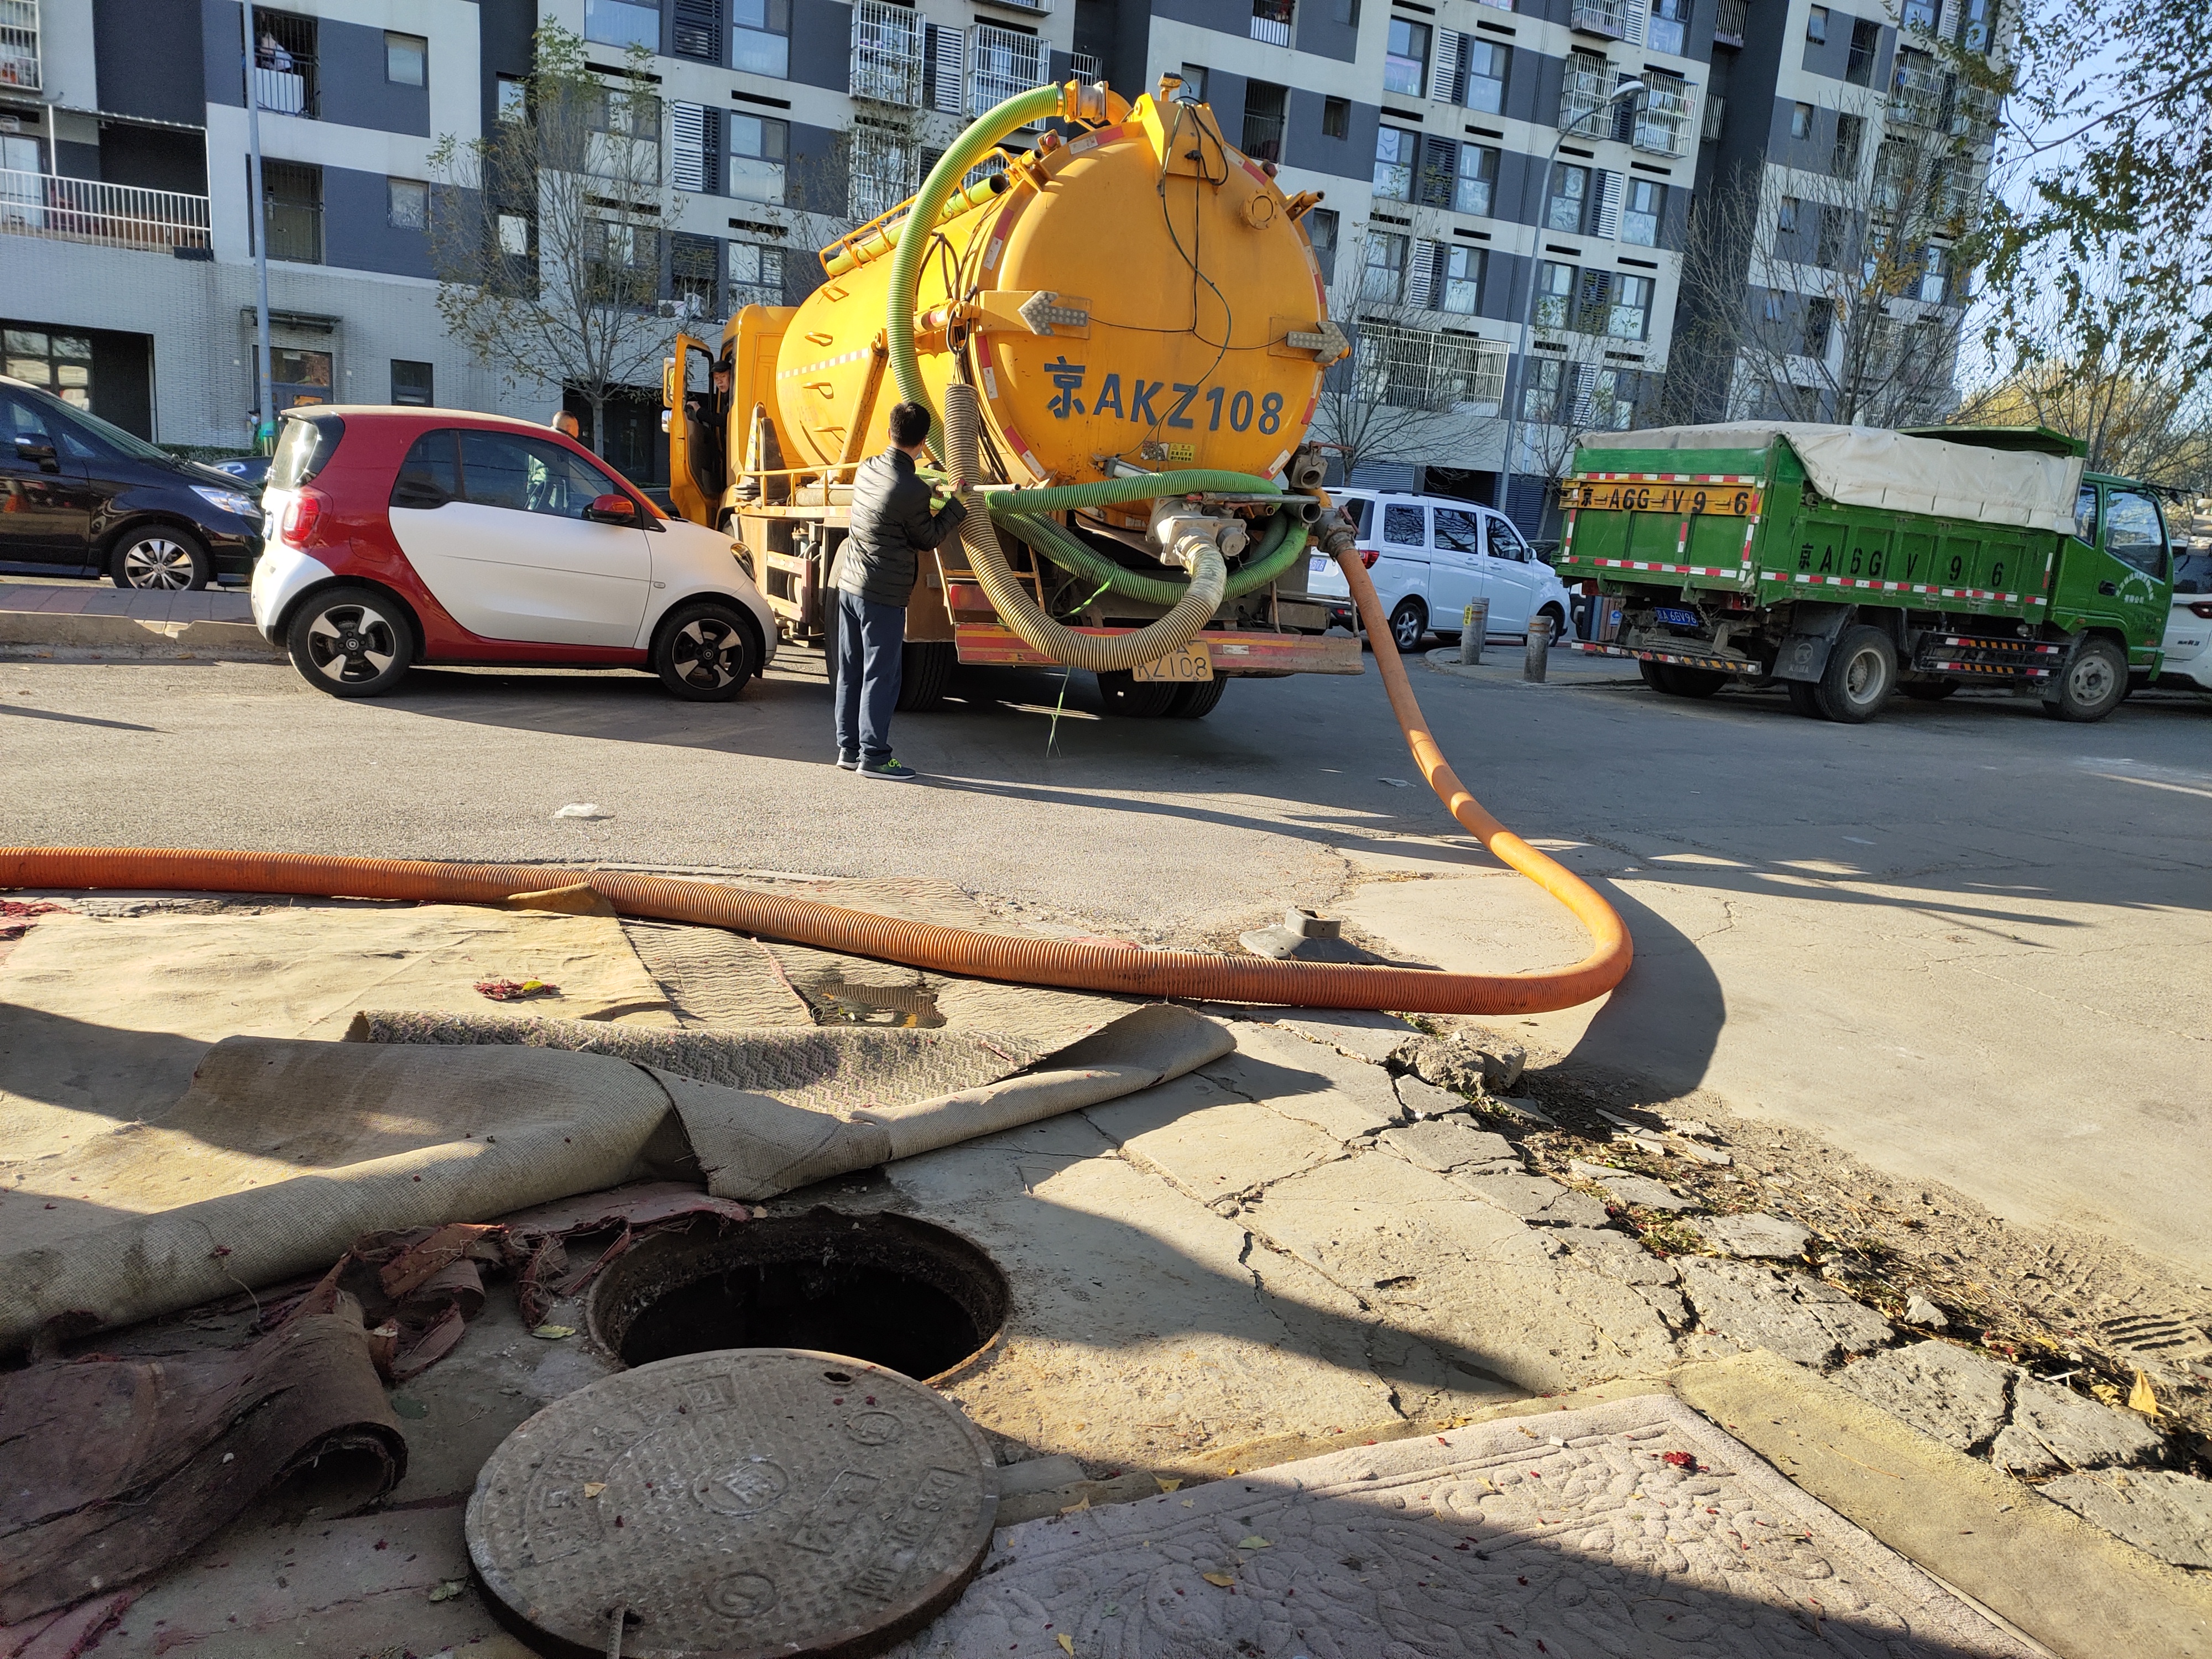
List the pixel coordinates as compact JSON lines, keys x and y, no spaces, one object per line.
{"x":1280,"y":549}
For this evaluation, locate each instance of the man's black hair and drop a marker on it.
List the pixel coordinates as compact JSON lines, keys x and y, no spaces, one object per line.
{"x":910,"y":424}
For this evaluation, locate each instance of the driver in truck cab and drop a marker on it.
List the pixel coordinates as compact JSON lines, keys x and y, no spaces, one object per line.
{"x":892,"y":527}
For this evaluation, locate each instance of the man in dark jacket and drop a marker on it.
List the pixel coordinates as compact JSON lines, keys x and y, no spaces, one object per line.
{"x":892,"y":526}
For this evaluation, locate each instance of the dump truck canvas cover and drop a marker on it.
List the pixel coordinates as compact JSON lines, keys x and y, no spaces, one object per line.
{"x":1861,"y":466}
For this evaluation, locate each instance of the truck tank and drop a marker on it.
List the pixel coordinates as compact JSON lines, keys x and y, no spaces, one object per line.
{"x":1140,"y":293}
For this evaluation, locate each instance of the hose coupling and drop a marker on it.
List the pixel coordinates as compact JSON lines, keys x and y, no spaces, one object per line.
{"x":1339,"y":535}
{"x":1181,"y":533}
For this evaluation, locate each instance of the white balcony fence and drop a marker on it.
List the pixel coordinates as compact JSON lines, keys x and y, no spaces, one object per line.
{"x":1421,"y":369}
{"x":107,"y":215}
{"x":889,"y":45}
{"x":1601,"y":17}
{"x":1001,"y":62}
{"x":1664,"y":116}
{"x":19,"y":46}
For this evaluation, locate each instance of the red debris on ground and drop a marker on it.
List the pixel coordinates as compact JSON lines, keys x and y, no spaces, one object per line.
{"x":507,"y":990}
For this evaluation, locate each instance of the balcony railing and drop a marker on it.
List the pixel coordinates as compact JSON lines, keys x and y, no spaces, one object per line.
{"x":1606,"y":17}
{"x":1271,"y":21}
{"x":889,"y":45}
{"x":19,"y":45}
{"x":1085,"y":67}
{"x":106,"y":216}
{"x":1728,"y":26}
{"x":1428,"y":369}
{"x":289,"y":90}
{"x":1263,"y":137}
{"x":1001,"y":62}
{"x":1662,"y":119}
{"x":1582,"y":93}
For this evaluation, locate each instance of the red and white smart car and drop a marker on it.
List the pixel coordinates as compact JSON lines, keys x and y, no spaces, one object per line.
{"x":405,"y":536}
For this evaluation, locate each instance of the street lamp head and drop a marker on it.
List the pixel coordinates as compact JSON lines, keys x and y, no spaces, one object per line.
{"x":1626,"y":89}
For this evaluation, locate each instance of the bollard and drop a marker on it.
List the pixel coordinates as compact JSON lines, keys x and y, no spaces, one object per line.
{"x":1473,"y":623}
{"x":1540,"y":649}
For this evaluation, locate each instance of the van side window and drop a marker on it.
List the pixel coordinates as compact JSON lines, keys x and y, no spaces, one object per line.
{"x":1505,"y":541}
{"x":2135,"y":532}
{"x":1403,"y":526}
{"x":1457,"y":531}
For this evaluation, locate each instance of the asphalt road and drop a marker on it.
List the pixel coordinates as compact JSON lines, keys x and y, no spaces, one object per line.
{"x":1965,"y":941}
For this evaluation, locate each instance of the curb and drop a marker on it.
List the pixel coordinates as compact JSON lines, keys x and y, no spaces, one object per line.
{"x":22,"y":631}
{"x":1445,"y":660}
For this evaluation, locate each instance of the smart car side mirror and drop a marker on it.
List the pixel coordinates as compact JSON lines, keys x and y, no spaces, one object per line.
{"x":612,"y":509}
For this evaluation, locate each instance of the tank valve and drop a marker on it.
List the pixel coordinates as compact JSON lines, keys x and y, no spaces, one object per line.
{"x":1307,"y":467}
{"x":1182,"y":534}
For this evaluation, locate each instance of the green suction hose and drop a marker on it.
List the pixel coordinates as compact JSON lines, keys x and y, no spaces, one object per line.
{"x":1280,"y":548}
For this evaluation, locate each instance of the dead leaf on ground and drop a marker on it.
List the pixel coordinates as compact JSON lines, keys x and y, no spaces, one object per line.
{"x":447,"y":1590}
{"x":1222,"y":1579}
{"x":1166,"y":1485}
{"x":553,"y":1333}
{"x":1255,"y":1542}
{"x":2140,"y":1398}
{"x":1066,"y":1642}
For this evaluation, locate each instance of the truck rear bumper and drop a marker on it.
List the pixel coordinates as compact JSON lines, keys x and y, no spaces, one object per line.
{"x":988,"y":645}
{"x":1687,"y":659}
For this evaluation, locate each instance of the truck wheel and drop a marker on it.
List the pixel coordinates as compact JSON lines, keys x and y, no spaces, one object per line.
{"x":1677,"y":681}
{"x":2091,"y":686}
{"x":1928,"y":690}
{"x":1124,"y":694}
{"x":1651,"y":673}
{"x":1861,"y":672}
{"x":1804,"y":699}
{"x":1408,"y":622}
{"x":1197,"y":700}
{"x":925,"y":670}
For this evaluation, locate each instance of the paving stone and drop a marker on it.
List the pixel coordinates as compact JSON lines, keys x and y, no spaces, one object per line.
{"x":1719,"y":1160}
{"x":1425,"y":1100}
{"x":1616,"y":1256}
{"x":2159,"y":1512}
{"x":1208,"y":1140}
{"x":1449,"y":1145}
{"x":1569,"y":1533}
{"x":1761,"y":1237}
{"x":2055,"y":1429}
{"x":1344,"y":1098}
{"x":1633,"y":1188}
{"x":1371,"y":1037}
{"x":1521,"y":1106}
{"x":1946,"y":1392}
{"x":1536,"y":1199}
{"x":1800,"y":1319}
{"x":1468,"y":1064}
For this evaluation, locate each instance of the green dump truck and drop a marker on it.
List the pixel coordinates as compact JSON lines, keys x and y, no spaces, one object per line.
{"x":1849,"y":564}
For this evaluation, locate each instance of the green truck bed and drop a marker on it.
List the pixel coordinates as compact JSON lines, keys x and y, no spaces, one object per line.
{"x":1731,"y":559}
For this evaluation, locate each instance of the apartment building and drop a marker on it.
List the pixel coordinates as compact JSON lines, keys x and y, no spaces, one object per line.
{"x":1851,"y":151}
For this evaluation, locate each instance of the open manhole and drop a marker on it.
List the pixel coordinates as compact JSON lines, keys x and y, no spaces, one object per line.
{"x":886,"y":1289}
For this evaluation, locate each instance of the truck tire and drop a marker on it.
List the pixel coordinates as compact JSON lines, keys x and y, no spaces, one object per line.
{"x":1861,"y":672}
{"x":1928,"y":690}
{"x":925,"y":670}
{"x":1122,"y":694}
{"x":1804,"y":699}
{"x":2093,"y":682}
{"x":1197,"y":700}
{"x":1676,"y":681}
{"x":1650,"y":673}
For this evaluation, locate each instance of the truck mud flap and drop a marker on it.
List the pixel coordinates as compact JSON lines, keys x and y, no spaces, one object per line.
{"x":1804,"y":653}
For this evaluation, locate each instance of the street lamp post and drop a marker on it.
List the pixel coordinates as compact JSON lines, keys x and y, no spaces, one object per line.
{"x":1521,"y":343}
{"x":264,"y":416}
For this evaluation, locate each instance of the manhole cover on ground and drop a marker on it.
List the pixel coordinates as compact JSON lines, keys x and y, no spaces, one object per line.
{"x":752,"y":1502}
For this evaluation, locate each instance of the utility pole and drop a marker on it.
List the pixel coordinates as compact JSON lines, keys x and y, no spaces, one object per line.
{"x":265,"y":427}
{"x":1523,"y":342}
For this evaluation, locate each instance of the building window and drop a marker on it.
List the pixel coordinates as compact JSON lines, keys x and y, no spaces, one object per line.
{"x":406,"y":60}
{"x":1405,"y":58}
{"x":1475,"y":188}
{"x":758,"y":149}
{"x":1820,"y":319}
{"x":292,"y":207}
{"x":1271,"y":21}
{"x":1935,"y":279}
{"x":1395,"y":148}
{"x":61,"y":363}
{"x":1541,"y":378}
{"x":1816,"y":25}
{"x":406,"y":203}
{"x":1630,"y":316}
{"x":1920,"y":15}
{"x":1835,"y":230}
{"x":515,"y":235}
{"x":1193,"y":90}
{"x":1977,"y":22}
{"x":1850,"y":133}
{"x":1570,"y":195}
{"x":1384,"y":279}
{"x":1801,"y":120}
{"x":1866,"y":46}
{"x":1610,"y":405}
{"x":1487,"y":64}
{"x":411,"y":384}
{"x":760,"y":38}
{"x":881,"y":170}
{"x":1336,"y":118}
{"x":1786,"y":218}
{"x":1463,"y":272}
{"x":1555,"y":294}
{"x":1264,"y":107}
{"x":1666,"y":30}
{"x":756,"y":275}
{"x":623,"y":23}
{"x":284,"y":79}
{"x":1321,"y":231}
{"x":1643,"y":205}
{"x":1346,"y":12}
{"x":513,"y":97}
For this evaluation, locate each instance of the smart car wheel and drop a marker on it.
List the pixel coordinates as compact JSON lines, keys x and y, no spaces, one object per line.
{"x":704,"y":652}
{"x":351,"y":642}
{"x":160,"y":555}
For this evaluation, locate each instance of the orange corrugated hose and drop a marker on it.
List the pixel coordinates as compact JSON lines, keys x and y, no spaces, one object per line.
{"x":1122,"y":968}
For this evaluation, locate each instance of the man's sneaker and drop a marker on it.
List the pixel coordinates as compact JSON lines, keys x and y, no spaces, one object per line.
{"x":848,"y":763}
{"x":890,"y":769}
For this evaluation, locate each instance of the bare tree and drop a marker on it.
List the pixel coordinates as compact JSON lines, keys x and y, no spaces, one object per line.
{"x":1837,"y":295}
{"x":545,"y":233}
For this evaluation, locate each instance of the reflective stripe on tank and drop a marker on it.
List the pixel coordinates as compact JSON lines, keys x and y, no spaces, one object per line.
{"x":1815,"y":581}
{"x":827,"y":363}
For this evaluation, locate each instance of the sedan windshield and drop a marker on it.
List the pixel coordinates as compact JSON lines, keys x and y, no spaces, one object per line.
{"x":101,"y":434}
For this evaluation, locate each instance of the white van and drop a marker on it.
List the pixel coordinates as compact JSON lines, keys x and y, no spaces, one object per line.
{"x":1429,"y":556}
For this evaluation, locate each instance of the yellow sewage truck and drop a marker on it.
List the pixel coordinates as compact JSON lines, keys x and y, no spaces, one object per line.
{"x":1134,"y":312}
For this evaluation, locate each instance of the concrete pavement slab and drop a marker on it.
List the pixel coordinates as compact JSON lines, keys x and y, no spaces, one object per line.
{"x":1748,"y":1305}
{"x":2159,"y":1512}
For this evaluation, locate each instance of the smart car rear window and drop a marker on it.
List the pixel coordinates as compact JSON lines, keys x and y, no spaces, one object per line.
{"x":304,"y":449}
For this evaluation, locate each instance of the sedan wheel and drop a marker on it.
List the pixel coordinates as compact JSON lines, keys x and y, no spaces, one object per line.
{"x":350,"y":643}
{"x":159,"y":558}
{"x":704,"y":652}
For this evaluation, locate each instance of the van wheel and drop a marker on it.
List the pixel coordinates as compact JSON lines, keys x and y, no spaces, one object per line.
{"x":924,"y":671}
{"x":1197,"y":700}
{"x":1124,"y":694}
{"x":1861,"y":672}
{"x":1928,"y":690}
{"x":160,"y":555}
{"x":704,"y":652}
{"x":1559,"y":630}
{"x":2091,"y":686}
{"x":350,"y":643}
{"x":1804,"y":699}
{"x":1408,"y":622}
